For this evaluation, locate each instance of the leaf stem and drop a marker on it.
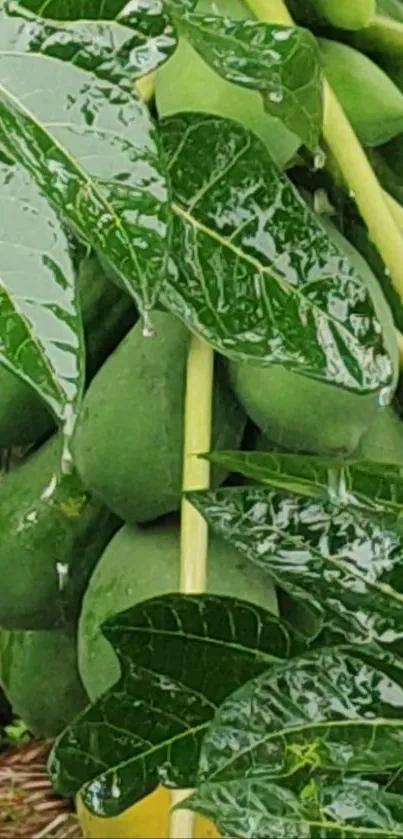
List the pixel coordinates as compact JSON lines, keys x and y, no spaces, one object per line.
{"x":194,"y":529}
{"x":353,"y":163}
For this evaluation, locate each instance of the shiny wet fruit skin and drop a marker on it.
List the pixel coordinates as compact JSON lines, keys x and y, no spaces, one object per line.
{"x":140,"y":563}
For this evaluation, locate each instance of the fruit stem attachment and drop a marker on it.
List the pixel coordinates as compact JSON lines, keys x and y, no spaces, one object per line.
{"x":194,"y":531}
{"x":353,"y":163}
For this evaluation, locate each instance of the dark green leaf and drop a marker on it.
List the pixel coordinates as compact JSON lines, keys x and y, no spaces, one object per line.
{"x":378,"y":486}
{"x":180,"y":656}
{"x":93,"y":151}
{"x":266,"y":760}
{"x":345,"y":562}
{"x":253,"y":272}
{"x":282,"y":63}
{"x":106,"y":46}
{"x":41,"y":336}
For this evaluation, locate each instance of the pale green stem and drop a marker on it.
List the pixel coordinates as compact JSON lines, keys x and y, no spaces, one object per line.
{"x":353,"y":163}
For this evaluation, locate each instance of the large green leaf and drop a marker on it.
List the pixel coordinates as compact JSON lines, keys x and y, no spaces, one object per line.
{"x":282,"y":755}
{"x":252,"y":271}
{"x":93,"y":151}
{"x":180,"y":656}
{"x":121,"y":42}
{"x":41,"y":335}
{"x":344,"y":562}
{"x":282,"y":63}
{"x":378,"y":486}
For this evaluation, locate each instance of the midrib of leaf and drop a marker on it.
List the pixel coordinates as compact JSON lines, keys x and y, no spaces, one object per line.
{"x":270,"y":271}
{"x":91,"y":183}
{"x":259,"y":654}
{"x":155,"y":748}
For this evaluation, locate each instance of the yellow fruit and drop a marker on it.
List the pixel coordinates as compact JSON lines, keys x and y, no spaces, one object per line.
{"x":148,"y":819}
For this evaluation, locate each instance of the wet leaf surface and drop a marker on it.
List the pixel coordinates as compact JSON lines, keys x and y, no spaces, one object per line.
{"x":344,"y":562}
{"x":378,"y":486}
{"x":116,"y":41}
{"x":251,"y":269}
{"x":282,"y":63}
{"x":93,"y":151}
{"x":180,"y":656}
{"x":274,"y":765}
{"x":41,"y":336}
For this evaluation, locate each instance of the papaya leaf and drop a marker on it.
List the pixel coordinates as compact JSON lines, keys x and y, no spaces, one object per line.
{"x":352,"y":808}
{"x":119,"y":44}
{"x":344,"y":562}
{"x":283,"y":754}
{"x":253,"y":272}
{"x":378,"y":486}
{"x":93,"y":151}
{"x":42,"y":339}
{"x":283,"y":63}
{"x":180,"y":656}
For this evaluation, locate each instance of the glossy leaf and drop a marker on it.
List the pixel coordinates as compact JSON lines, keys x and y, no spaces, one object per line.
{"x":282,"y":63}
{"x":180,"y":656}
{"x":328,"y":808}
{"x":41,"y":336}
{"x":93,"y":151}
{"x":252,"y":271}
{"x":344,"y":562}
{"x":378,"y":486}
{"x":97,"y":9}
{"x":121,"y":43}
{"x":272,"y":744}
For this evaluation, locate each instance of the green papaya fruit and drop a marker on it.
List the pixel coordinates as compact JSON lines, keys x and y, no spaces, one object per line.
{"x":345,"y":14}
{"x":52,"y":532}
{"x":186,"y":83}
{"x":383,"y":442}
{"x":107,"y":316}
{"x":39,"y":675}
{"x":371,"y":101}
{"x":143,"y":562}
{"x":306,"y":415}
{"x":129,"y":439}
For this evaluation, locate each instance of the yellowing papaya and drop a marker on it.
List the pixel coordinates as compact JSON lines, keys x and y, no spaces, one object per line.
{"x":148,"y":819}
{"x":370,"y":99}
{"x":307,"y":415}
{"x":140,"y":563}
{"x":186,"y":83}
{"x":39,"y":675}
{"x":107,"y":316}
{"x":129,"y":440}
{"x":346,"y":14}
{"x":52,"y":532}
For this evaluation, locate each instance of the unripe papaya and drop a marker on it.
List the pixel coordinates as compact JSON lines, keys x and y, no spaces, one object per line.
{"x":383,"y":442}
{"x":345,"y":14}
{"x":129,"y":440}
{"x":39,"y":675}
{"x":140,"y":563}
{"x":186,"y":83}
{"x":52,"y":532}
{"x":306,"y":415}
{"x":107,"y":315}
{"x":371,"y":101}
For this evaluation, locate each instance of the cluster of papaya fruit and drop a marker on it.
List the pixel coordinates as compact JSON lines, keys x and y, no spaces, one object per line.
{"x":75,"y":549}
